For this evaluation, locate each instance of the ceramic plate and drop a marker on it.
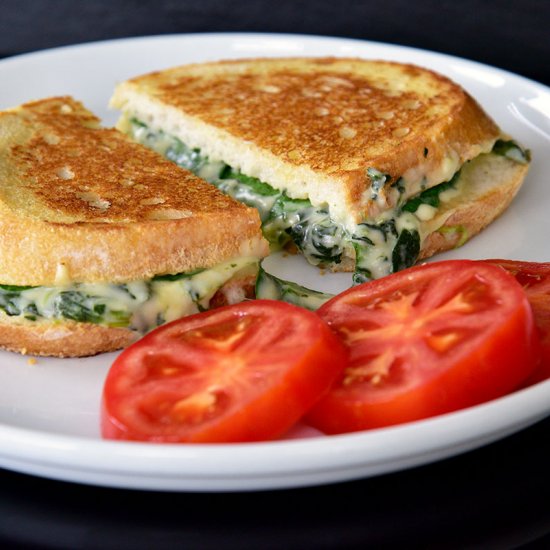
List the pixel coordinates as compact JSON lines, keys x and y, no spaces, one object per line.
{"x":49,"y":409}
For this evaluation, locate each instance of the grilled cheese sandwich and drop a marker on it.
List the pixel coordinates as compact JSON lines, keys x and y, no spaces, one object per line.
{"x":102,"y":240}
{"x":364,"y":166}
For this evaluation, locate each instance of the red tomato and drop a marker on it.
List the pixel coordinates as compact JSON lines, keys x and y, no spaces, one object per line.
{"x":425,"y":341}
{"x":246,"y":372}
{"x":535,"y":279}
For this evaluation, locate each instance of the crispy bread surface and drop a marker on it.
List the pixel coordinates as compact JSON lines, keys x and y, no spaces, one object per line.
{"x":82,"y":202}
{"x":313,"y":126}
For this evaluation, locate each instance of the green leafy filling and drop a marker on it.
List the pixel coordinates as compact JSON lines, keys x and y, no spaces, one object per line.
{"x":322,"y":241}
{"x":511,"y":150}
{"x":430,"y":196}
{"x":78,"y":305}
{"x":270,"y":287}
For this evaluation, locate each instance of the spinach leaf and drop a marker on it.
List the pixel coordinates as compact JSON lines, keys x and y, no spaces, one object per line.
{"x":364,"y":242}
{"x":511,"y":150}
{"x":284,"y":213}
{"x":285,"y":206}
{"x":8,"y":305}
{"x":77,"y":306}
{"x":406,"y":250}
{"x":183,"y":156}
{"x":137,"y":122}
{"x":272,"y":288}
{"x":256,"y":185}
{"x":31,"y":312}
{"x":9,"y":296}
{"x":310,"y":228}
{"x":327,"y":239}
{"x":14,"y":288}
{"x":71,"y":305}
{"x":176,"y":151}
{"x":177,"y":276}
{"x":250,"y":191}
{"x":361,"y":275}
{"x":431,"y":195}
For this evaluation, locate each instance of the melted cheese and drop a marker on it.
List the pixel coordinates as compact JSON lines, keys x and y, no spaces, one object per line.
{"x":321,"y":239}
{"x":139,"y":305}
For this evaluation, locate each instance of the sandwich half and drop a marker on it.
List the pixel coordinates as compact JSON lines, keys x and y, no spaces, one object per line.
{"x":102,"y":239}
{"x":364,"y":166}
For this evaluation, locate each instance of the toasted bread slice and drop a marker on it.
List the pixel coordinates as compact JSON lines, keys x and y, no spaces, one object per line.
{"x":102,"y":239}
{"x":314,"y":126}
{"x":85,"y":203}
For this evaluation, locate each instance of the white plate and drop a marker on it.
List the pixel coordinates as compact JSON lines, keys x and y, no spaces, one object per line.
{"x":49,"y":410}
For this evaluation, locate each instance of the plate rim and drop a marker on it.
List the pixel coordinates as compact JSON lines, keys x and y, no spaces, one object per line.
{"x":108,"y":42}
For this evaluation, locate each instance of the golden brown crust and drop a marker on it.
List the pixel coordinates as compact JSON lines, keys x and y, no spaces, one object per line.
{"x":61,"y":339}
{"x":59,"y":166}
{"x":37,"y":253}
{"x":324,"y":118}
{"x":86,"y":201}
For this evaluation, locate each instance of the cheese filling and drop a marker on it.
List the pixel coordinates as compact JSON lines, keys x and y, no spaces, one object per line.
{"x":390,"y":242}
{"x":138,"y":305}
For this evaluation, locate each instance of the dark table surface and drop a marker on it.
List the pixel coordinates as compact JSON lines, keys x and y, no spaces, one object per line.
{"x":494,"y":497}
{"x":497,"y":497}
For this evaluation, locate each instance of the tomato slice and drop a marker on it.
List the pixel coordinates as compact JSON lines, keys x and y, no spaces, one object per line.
{"x":425,"y":341}
{"x":534,"y":277}
{"x":245,"y":372}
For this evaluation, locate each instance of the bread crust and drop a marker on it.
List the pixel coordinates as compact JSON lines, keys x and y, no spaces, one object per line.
{"x":39,"y":253}
{"x":495,"y":183}
{"x":313,"y":126}
{"x":61,"y":339}
{"x":85,"y":203}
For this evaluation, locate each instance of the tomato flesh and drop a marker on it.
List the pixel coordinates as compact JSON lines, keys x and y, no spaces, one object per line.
{"x":534,"y":277}
{"x":246,"y":372}
{"x":426,"y":341}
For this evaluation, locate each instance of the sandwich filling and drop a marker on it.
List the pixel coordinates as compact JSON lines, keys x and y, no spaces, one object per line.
{"x":137,"y":305}
{"x":389,"y":243}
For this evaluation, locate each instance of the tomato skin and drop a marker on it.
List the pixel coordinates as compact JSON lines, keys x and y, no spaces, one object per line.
{"x":426,"y":341}
{"x":246,"y":372}
{"x":534,"y":277}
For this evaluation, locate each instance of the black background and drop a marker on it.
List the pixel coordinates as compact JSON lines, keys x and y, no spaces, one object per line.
{"x":495,"y":497}
{"x":512,"y":35}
